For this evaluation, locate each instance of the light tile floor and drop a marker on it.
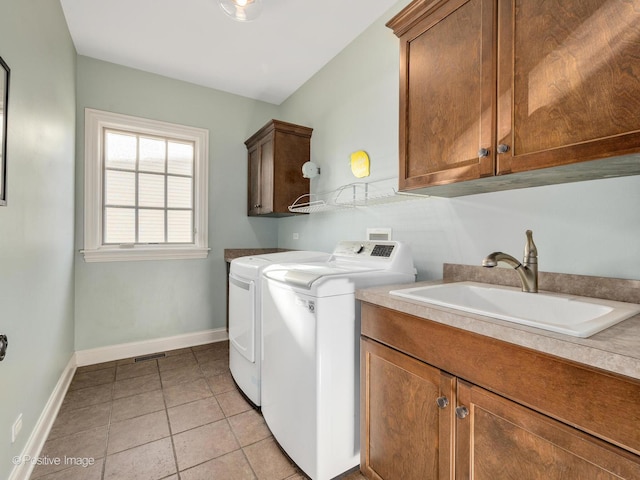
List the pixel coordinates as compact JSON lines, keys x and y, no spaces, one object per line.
{"x":180,"y":417}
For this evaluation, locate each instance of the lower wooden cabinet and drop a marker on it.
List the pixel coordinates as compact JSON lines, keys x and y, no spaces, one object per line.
{"x":500,"y":439}
{"x":419,"y":422}
{"x":406,"y":435}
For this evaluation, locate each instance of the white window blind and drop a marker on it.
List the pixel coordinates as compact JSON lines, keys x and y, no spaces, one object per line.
{"x":148,"y":189}
{"x":145,"y":189}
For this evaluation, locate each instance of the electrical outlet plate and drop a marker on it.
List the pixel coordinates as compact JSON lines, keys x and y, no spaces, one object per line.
{"x":15,"y":429}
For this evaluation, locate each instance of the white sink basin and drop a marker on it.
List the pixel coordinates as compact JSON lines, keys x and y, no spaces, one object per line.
{"x":568,"y":314}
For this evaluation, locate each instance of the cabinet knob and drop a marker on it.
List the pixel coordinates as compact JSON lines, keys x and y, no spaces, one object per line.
{"x":462,"y":411}
{"x":442,"y":402}
{"x":483,"y":152}
{"x":257,"y":205}
{"x":503,"y":148}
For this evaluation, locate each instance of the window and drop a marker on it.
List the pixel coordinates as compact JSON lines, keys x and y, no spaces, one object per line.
{"x":145,"y":189}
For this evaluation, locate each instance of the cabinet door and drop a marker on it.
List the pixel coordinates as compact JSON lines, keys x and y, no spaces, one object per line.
{"x":447,"y":92}
{"x":568,"y":81}
{"x":292,"y":151}
{"x":267,"y":160}
{"x":261,"y":177}
{"x":500,"y":439}
{"x":255,"y":201}
{"x":405,"y":435}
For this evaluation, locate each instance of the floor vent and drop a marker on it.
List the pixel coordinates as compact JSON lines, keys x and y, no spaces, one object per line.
{"x":153,"y":356}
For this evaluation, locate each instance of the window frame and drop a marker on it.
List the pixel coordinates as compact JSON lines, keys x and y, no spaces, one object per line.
{"x":96,"y":121}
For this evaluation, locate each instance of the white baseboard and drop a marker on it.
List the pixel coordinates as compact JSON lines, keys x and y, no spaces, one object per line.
{"x":145,"y":347}
{"x":33,"y":447}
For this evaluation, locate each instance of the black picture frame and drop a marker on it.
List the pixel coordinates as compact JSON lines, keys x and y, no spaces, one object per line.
{"x":5,"y":72}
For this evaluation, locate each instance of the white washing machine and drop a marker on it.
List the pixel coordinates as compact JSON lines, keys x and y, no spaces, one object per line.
{"x":244,"y":315}
{"x":311,"y":354}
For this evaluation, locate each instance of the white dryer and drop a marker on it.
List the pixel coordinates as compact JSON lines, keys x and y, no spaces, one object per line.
{"x":311,"y":354}
{"x":244,"y":315}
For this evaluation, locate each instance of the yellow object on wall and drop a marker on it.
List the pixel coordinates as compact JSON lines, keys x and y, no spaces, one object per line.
{"x":360,"y":164}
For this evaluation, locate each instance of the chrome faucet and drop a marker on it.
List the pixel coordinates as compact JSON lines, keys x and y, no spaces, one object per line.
{"x":527,"y":270}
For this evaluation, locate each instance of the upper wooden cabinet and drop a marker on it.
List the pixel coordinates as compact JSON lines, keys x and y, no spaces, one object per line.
{"x":276,"y":154}
{"x":447,"y":84}
{"x":501,"y":91}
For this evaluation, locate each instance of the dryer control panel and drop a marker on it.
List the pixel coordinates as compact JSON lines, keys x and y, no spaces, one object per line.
{"x":382,"y":250}
{"x":387,"y":255}
{"x":364,"y":249}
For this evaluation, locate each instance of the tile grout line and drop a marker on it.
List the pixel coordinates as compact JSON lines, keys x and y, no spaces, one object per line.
{"x":112,"y":401}
{"x":104,"y":456}
{"x":244,"y":454}
{"x":106,"y":446}
{"x":225,"y":418}
{"x":166,"y":412}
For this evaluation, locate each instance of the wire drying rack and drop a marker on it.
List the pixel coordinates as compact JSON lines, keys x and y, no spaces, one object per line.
{"x":358,"y":194}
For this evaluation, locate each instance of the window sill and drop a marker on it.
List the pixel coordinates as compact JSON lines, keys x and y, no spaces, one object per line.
{"x":117,"y":254}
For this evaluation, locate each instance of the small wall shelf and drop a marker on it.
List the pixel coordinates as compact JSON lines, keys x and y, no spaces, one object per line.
{"x":359,"y":194}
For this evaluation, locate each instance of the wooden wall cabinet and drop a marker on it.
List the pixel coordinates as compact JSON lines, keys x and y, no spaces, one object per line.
{"x":439,"y":403}
{"x":506,"y":90}
{"x":276,"y":154}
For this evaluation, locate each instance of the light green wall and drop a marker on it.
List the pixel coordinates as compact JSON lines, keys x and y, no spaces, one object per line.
{"x":123,"y":302}
{"x":36,"y":228}
{"x":352,"y":104}
{"x":589,"y":228}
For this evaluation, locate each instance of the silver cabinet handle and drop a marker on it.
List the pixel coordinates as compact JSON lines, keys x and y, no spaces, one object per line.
{"x":503,"y":148}
{"x":483,"y":152}
{"x":257,"y":206}
{"x":442,"y":402}
{"x":462,"y":411}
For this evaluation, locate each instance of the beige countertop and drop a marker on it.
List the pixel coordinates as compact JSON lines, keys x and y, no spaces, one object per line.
{"x":616,"y":349}
{"x":232,"y":253}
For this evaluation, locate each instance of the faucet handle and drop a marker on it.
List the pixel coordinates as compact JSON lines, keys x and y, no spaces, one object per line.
{"x":530,"y":250}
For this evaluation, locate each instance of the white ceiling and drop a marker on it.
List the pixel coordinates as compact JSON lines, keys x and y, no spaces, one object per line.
{"x":193,"y":40}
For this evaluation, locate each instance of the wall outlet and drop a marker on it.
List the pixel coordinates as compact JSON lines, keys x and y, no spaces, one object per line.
{"x":15,"y":429}
{"x":296,"y":236}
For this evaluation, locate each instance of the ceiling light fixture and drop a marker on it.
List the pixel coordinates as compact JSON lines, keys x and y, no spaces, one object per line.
{"x":241,"y":10}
